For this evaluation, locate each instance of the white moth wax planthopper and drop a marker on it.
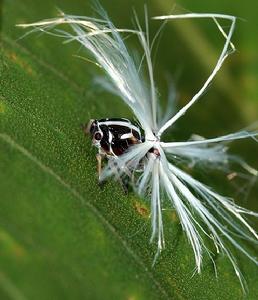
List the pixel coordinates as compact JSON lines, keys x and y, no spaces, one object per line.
{"x":128,"y":150}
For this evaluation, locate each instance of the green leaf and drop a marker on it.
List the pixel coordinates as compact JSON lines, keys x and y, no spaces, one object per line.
{"x":61,"y":235}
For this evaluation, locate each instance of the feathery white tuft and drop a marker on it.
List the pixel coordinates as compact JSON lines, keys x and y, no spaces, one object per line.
{"x":201,"y":210}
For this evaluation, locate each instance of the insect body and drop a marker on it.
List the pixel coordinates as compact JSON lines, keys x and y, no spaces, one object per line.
{"x":112,"y":137}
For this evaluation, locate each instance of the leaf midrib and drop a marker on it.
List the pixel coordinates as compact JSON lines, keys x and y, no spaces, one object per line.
{"x":6,"y":138}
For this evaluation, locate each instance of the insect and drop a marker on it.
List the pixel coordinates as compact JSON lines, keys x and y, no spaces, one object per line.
{"x":112,"y":137}
{"x":200,"y":209}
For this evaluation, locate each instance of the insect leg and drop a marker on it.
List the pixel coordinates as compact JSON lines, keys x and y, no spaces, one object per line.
{"x":118,"y":177}
{"x":99,"y":158}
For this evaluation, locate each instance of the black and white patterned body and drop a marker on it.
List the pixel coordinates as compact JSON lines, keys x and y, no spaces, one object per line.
{"x":114,"y":136}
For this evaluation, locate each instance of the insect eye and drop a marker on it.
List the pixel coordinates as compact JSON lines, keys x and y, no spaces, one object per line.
{"x":97,"y":136}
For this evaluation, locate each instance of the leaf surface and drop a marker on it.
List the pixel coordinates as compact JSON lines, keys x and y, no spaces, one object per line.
{"x":61,"y":235}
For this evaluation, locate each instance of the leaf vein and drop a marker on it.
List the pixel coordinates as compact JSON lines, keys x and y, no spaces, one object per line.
{"x":6,"y":138}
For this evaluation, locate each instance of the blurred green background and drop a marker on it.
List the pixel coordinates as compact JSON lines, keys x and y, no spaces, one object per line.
{"x":61,"y":236}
